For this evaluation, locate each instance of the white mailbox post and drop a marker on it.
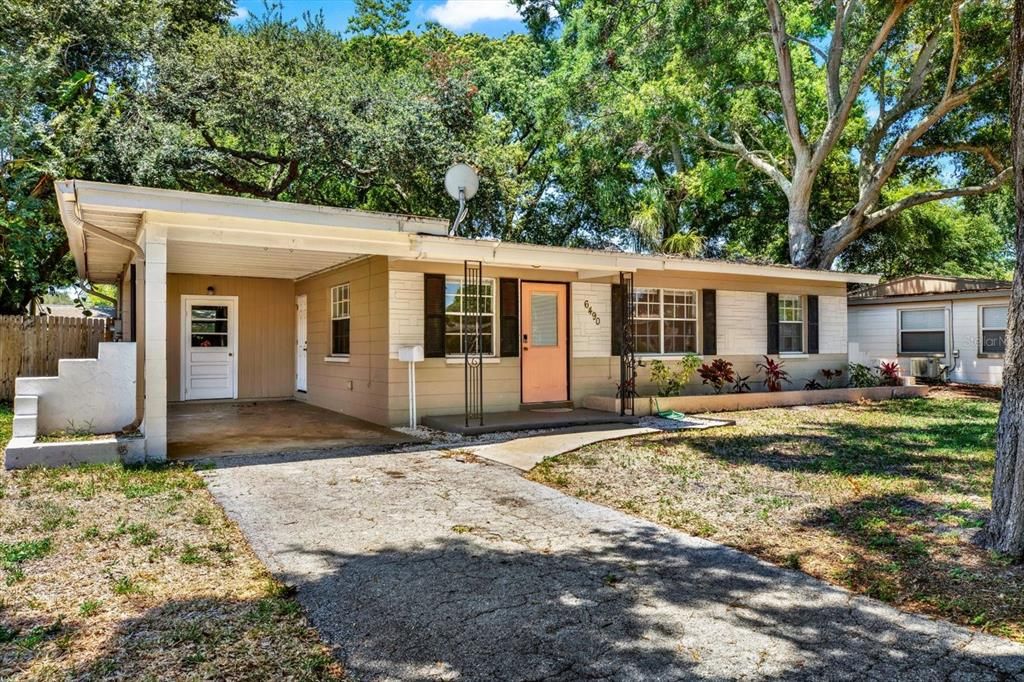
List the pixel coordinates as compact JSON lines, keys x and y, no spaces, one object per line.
{"x":411,"y":355}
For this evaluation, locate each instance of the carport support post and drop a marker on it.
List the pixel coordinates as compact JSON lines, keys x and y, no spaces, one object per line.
{"x":154,"y":425}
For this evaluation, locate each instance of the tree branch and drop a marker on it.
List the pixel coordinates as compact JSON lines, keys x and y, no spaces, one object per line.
{"x":740,"y":149}
{"x":959,"y":147}
{"x":954,"y":60}
{"x":834,"y":59}
{"x":837,"y":119}
{"x":787,"y":87}
{"x":880,"y":216}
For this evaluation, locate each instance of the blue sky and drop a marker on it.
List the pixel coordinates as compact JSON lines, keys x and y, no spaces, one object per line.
{"x":492,"y":17}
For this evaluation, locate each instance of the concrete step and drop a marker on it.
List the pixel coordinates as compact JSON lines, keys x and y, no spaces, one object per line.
{"x":26,"y":405}
{"x":551,"y":405}
{"x":25,"y":426}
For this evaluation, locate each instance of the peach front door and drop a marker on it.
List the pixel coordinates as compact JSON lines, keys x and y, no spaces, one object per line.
{"x":545,"y":342}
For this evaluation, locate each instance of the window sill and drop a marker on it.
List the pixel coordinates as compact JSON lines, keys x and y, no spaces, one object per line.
{"x":991,"y":356}
{"x":336,"y":358}
{"x":794,"y":356}
{"x":462,"y":361}
{"x":937,"y":355}
{"x":667,"y":358}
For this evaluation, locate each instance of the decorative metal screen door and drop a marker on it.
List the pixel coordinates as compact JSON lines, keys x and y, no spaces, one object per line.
{"x":473,"y":305}
{"x":627,"y":357}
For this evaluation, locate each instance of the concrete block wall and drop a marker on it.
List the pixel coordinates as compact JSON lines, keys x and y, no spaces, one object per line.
{"x":93,"y":394}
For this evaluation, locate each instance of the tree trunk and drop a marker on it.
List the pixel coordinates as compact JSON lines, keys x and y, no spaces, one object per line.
{"x":802,"y":246}
{"x":1005,"y":531}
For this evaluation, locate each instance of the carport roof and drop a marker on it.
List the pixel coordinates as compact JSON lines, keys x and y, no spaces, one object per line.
{"x":214,"y":234}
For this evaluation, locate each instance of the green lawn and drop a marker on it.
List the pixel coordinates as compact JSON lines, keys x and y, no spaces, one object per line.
{"x":882,"y":498}
{"x":109,"y":572}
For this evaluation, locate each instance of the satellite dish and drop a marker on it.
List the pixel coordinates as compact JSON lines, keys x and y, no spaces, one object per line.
{"x":461,"y":182}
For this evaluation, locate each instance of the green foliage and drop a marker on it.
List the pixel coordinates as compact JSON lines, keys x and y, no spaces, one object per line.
{"x":672,"y":380}
{"x":862,"y":376}
{"x":717,"y":374}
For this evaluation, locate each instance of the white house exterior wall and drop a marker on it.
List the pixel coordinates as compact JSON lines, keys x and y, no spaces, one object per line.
{"x":741,"y":318}
{"x":832,"y":334}
{"x":591,"y":333}
{"x":874,"y":337}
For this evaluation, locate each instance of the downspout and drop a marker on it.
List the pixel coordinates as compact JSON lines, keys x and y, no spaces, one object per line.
{"x":71,"y":218}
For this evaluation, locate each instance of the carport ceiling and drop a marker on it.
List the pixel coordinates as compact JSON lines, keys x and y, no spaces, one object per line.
{"x":250,"y":261}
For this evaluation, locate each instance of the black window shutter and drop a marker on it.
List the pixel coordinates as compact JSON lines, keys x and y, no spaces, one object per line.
{"x":709,"y":299}
{"x":616,"y":318}
{"x":509,"y":306}
{"x":812,"y":324}
{"x":773,"y":324}
{"x":433,"y":316}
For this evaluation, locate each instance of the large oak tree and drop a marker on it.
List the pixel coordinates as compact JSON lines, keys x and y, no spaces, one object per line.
{"x":1005,"y":531}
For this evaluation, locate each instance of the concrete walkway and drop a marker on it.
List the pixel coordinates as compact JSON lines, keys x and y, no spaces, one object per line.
{"x":418,"y":566}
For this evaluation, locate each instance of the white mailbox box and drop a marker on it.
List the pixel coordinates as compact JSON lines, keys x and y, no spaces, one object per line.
{"x":411,"y":355}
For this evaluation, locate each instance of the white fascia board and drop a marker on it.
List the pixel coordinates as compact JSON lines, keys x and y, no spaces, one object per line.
{"x":65,"y":190}
{"x":194,"y":205}
{"x":593,"y":262}
{"x":278,"y":236}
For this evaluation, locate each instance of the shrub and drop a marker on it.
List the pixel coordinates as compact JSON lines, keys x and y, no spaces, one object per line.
{"x":717,"y":374}
{"x":831,"y":375}
{"x":813,"y":385}
{"x":774,"y":374}
{"x":672,"y":380}
{"x":889,"y":374}
{"x":862,"y":376}
{"x":741,"y":385}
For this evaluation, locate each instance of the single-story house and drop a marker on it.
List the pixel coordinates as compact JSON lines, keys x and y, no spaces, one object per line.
{"x":933,"y":326}
{"x":227,"y":298}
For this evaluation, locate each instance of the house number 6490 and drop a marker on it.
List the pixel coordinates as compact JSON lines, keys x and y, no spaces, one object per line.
{"x":593,"y":313}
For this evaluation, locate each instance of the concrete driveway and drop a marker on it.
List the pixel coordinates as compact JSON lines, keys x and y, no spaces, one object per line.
{"x":419,"y":566}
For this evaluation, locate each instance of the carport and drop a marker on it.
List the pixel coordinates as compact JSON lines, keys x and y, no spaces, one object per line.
{"x":201,"y":429}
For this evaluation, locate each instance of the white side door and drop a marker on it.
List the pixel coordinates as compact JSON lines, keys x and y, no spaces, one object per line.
{"x":301,"y":338}
{"x":209,"y":347}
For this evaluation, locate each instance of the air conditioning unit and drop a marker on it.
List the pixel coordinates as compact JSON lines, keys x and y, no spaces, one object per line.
{"x":926,"y":368}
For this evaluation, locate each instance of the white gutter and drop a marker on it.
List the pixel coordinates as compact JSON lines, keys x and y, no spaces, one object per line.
{"x":67,"y":194}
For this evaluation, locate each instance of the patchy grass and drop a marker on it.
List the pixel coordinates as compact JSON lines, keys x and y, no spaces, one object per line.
{"x":885,"y":499}
{"x":108,"y":572}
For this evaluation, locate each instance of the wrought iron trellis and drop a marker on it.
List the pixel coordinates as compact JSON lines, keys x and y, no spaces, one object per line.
{"x":627,"y":356}
{"x":472,"y":339}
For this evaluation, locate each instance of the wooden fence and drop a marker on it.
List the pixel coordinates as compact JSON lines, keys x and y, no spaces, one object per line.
{"x":31,"y":346}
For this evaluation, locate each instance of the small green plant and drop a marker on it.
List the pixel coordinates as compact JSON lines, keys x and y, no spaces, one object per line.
{"x":125,"y":585}
{"x":741,"y":385}
{"x":889,"y":374}
{"x":13,"y":555}
{"x":191,"y":556}
{"x":672,"y":380}
{"x":717,"y":374}
{"x":141,"y":534}
{"x":774,"y":374}
{"x":89,"y":607}
{"x":831,"y":376}
{"x":813,"y":385}
{"x":862,"y":376}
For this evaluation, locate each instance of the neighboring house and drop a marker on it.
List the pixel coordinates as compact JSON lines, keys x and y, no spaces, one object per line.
{"x":231,"y":298}
{"x":928,"y":323}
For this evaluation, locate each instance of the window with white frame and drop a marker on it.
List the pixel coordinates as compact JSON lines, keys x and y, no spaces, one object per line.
{"x":791,"y":324}
{"x":993,"y":329}
{"x":459,"y":310}
{"x":664,"y":321}
{"x":922,"y":331}
{"x":341,"y":323}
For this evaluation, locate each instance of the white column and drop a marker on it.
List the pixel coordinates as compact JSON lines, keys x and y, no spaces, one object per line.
{"x":155,"y":421}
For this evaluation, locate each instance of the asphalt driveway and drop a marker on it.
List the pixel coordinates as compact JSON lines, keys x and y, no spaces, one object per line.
{"x":419,"y":566}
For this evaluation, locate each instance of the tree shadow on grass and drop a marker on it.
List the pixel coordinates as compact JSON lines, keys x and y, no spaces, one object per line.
{"x":905,"y":549}
{"x":943,"y":452}
{"x":644,"y":605}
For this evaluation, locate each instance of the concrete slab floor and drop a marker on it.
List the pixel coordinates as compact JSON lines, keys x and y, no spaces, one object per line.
{"x":205,"y":429}
{"x":525,"y":420}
